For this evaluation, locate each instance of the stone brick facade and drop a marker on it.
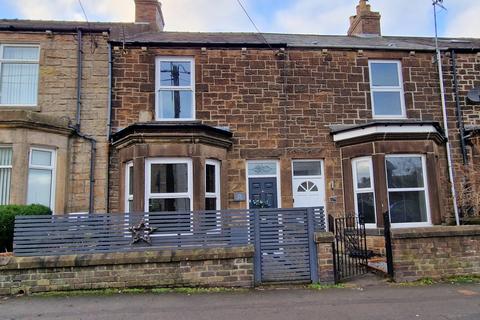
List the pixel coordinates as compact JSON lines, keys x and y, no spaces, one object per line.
{"x":57,"y":92}
{"x":436,"y":252}
{"x":280,"y":107}
{"x":325,"y":264}
{"x":222,"y":267}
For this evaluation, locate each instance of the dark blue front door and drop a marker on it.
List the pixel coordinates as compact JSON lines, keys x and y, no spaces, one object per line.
{"x":262,"y":192}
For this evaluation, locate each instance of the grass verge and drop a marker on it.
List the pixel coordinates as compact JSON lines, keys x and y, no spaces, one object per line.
{"x":110,"y":292}
{"x":318,"y":286}
{"x":451,"y":280}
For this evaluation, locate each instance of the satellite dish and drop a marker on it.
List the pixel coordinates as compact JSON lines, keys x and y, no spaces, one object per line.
{"x":474,"y":95}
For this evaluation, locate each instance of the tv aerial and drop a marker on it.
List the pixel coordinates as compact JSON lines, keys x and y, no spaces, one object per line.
{"x":474,"y":95}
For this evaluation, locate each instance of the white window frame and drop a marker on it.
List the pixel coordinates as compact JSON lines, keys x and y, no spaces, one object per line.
{"x":8,"y":167}
{"x":398,"y":88}
{"x":277,"y":175}
{"x":357,"y":190}
{"x":52,"y":167}
{"x":424,"y":189}
{"x":217,"y":192}
{"x":5,"y":61}
{"x":128,"y":196}
{"x":148,"y":168}
{"x":159,"y":87}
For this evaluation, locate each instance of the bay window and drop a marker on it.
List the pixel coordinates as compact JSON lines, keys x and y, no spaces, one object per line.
{"x":169,"y":184}
{"x":363,"y":187}
{"x":19,"y":65}
{"x":175,"y":88}
{"x":5,"y":174}
{"x":407,"y":190}
{"x":386,"y":88}
{"x":212,"y":185}
{"x":129,"y":187}
{"x":41,"y":177}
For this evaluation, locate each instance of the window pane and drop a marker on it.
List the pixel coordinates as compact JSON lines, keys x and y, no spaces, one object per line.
{"x":387,"y":103}
{"x":18,"y":83}
{"x":210,"y":178}
{"x":5,"y":182}
{"x":5,"y":156}
{"x":130,"y":180}
{"x":41,"y":158}
{"x":39,"y":186}
{"x":169,"y":178}
{"x":176,"y":104}
{"x":384,"y":74}
{"x":404,"y":172}
{"x":262,"y":168}
{"x":363,"y":174}
{"x":175,"y":73}
{"x":366,"y":206}
{"x":210,"y":203}
{"x":174,"y":204}
{"x":307,"y":168}
{"x":20,"y":53}
{"x":407,"y":206}
{"x":130,"y":205}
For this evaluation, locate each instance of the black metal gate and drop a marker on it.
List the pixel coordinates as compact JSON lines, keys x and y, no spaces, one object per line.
{"x":350,"y":247}
{"x":284,"y":244}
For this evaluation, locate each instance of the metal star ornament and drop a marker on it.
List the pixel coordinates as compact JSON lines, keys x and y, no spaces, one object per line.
{"x":141,"y":232}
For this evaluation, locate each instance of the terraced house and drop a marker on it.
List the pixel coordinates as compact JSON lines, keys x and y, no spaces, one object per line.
{"x":194,"y":121}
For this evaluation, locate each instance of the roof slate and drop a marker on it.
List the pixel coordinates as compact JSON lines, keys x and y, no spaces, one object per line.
{"x":138,"y":33}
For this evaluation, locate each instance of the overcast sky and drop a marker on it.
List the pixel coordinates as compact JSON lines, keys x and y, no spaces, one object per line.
{"x":399,"y":17}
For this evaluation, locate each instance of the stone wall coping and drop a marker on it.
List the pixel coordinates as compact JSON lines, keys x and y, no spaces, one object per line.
{"x":136,"y":257}
{"x":433,"y":232}
{"x":324,"y":237}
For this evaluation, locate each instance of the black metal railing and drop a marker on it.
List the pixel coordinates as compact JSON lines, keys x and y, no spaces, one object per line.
{"x":350,"y":247}
{"x":388,"y":243}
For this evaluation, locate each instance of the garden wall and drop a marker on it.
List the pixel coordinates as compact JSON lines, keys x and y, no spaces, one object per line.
{"x":436,"y":252}
{"x":215,"y":267}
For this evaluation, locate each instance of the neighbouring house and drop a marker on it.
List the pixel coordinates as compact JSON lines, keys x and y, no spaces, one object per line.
{"x":208,"y":121}
{"x":54,"y":113}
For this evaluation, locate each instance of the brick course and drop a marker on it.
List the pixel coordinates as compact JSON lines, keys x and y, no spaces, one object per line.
{"x":436,"y":252}
{"x":216,"y":267}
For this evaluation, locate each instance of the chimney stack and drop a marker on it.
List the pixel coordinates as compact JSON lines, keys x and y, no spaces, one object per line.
{"x":365,"y":22}
{"x":149,"y":11}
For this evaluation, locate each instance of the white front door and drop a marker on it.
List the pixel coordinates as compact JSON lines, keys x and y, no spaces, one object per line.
{"x":308,"y":183}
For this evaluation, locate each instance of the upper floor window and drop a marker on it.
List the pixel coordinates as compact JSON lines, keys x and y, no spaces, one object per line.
{"x":19,"y":75}
{"x":175,"y":88}
{"x":386,"y":87}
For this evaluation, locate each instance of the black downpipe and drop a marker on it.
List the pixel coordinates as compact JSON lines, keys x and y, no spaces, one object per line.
{"x":459,"y":108}
{"x":92,"y":141}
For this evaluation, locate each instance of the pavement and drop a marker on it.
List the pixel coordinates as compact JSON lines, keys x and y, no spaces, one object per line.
{"x":363,"y":300}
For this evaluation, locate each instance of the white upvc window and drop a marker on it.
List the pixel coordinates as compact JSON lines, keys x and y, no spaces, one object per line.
{"x":212,"y":185}
{"x":363,"y":189}
{"x":386,"y":89}
{"x":407,"y":190}
{"x":168,"y":184}
{"x":19,"y":65}
{"x":41,"y":177}
{"x":175,"y":88}
{"x":129,"y":187}
{"x":6,"y":154}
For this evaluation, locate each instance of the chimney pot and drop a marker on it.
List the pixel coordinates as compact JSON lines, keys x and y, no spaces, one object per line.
{"x":149,"y":11}
{"x":365,"y":22}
